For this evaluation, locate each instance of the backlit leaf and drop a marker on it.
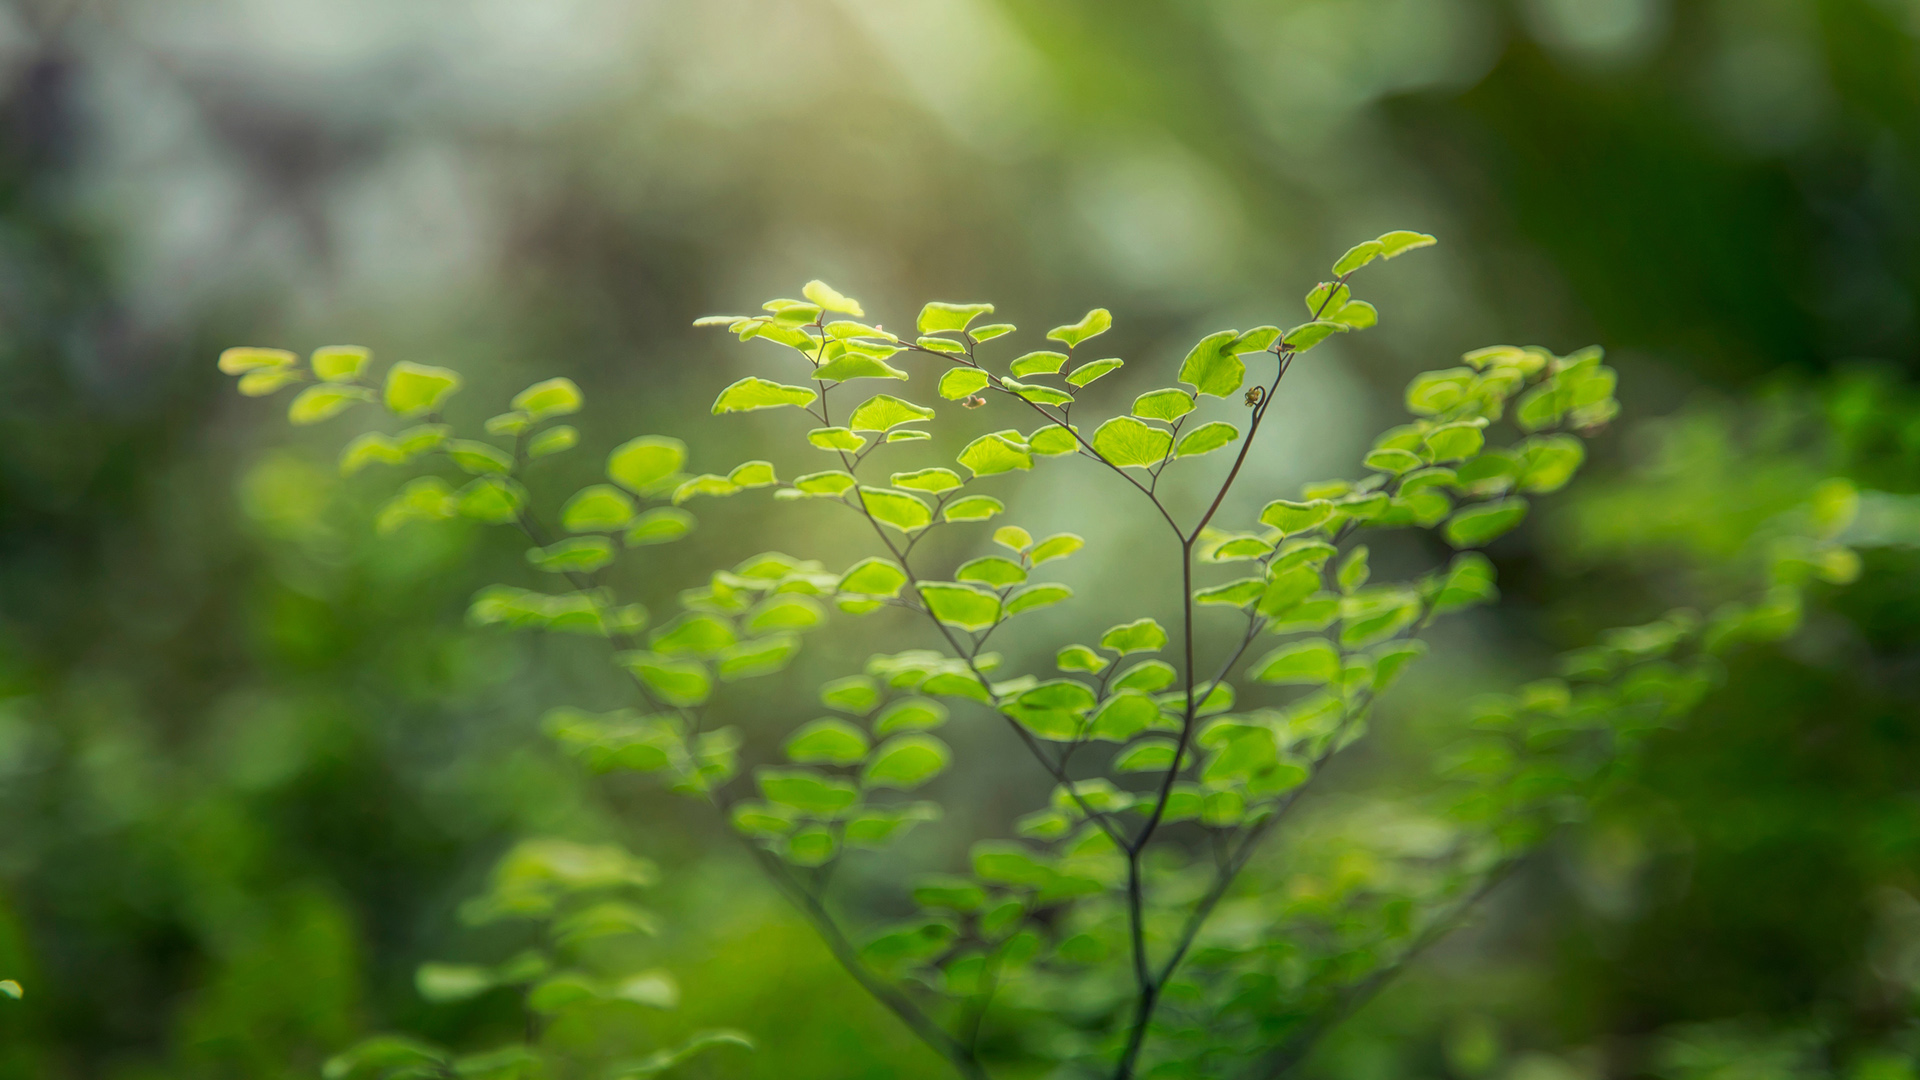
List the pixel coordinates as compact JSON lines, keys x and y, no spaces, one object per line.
{"x":883,"y":412}
{"x":937,"y":316}
{"x":906,"y":762}
{"x":1206,"y":438}
{"x":413,"y":389}
{"x":1037,"y":363}
{"x":1092,"y":324}
{"x":1211,"y":367}
{"x":904,"y":512}
{"x":754,"y":393}
{"x":965,"y":606}
{"x":644,"y":465}
{"x":990,"y":455}
{"x":1131,"y":443}
{"x":1168,"y":405}
{"x":543,"y":400}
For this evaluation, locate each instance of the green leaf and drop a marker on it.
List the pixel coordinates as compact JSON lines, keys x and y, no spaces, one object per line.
{"x":1547,"y":462}
{"x":828,"y":740}
{"x":992,"y":571}
{"x":580,"y":555}
{"x":884,"y":412}
{"x":754,"y":393}
{"x":759,"y":656}
{"x":317,"y":403}
{"x":964,"y":606}
{"x":1130,"y":443}
{"x":1085,"y":374}
{"x":1234,"y":593}
{"x":1206,"y":438}
{"x":1212,"y":367}
{"x":806,"y":791}
{"x":1038,"y":363}
{"x":934,"y":480}
{"x":1288,"y":587}
{"x":478,"y":457}
{"x":544,"y":400}
{"x":1476,"y":526}
{"x":1432,"y":392}
{"x":1057,"y":546}
{"x":938,"y":317}
{"x":1014,"y":537}
{"x":368,"y":448}
{"x":990,"y":455}
{"x":266,"y":381}
{"x":1126,"y":714}
{"x":906,"y":762}
{"x":1374,"y":615}
{"x":1456,"y":442}
{"x":904,"y":512}
{"x":242,"y":359}
{"x":646,"y":464}
{"x":1353,"y":571}
{"x":752,"y":474}
{"x":1394,"y":462}
{"x":442,"y":983}
{"x":830,"y":299}
{"x":1052,"y":441}
{"x":1037,"y":596}
{"x":853,"y":364}
{"x":1258,"y":339}
{"x":1308,"y":334}
{"x":954,"y":893}
{"x":963,"y":382}
{"x":693,"y":634}
{"x":991,"y":331}
{"x":704,"y":484}
{"x":1357,"y":315}
{"x":1168,"y":405}
{"x":973,"y":508}
{"x":942,"y":345}
{"x":874,"y":577}
{"x":1147,"y":755}
{"x":1314,"y":662}
{"x":1092,"y":324}
{"x":830,"y":482}
{"x":680,"y":683}
{"x":907,"y":435}
{"x":1469,"y":581}
{"x":413,"y":389}
{"x":1140,"y":635}
{"x":835,"y":438}
{"x":553,"y":441}
{"x":910,"y":714}
{"x":599,"y":508}
{"x":1402,"y":241}
{"x":786,"y":611}
{"x":856,"y":694}
{"x":1039,"y":395}
{"x":1358,"y":256}
{"x":1080,"y":658}
{"x":1296,"y":517}
{"x":1147,"y":675}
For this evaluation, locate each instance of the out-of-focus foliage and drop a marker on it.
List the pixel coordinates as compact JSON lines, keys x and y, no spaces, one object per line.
{"x":249,"y":762}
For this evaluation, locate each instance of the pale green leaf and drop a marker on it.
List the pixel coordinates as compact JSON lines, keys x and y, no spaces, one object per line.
{"x":1092,"y":324}
{"x":1037,"y":363}
{"x":1168,"y":405}
{"x":874,"y":577}
{"x":1401,"y":241}
{"x":1140,"y":635}
{"x":1130,"y":443}
{"x":1080,"y":658}
{"x":754,"y":393}
{"x":910,"y":714}
{"x":1206,"y":438}
{"x":1058,"y":546}
{"x":1476,"y":526}
{"x":1014,"y":537}
{"x":831,"y":299}
{"x":1296,"y":517}
{"x":267,"y":380}
{"x":1087,"y":373}
{"x":906,"y":762}
{"x":965,"y":606}
{"x":693,"y":634}
{"x":1307,"y":335}
{"x":830,"y":482}
{"x":908,"y":513}
{"x":962,"y":382}
{"x":1314,"y":662}
{"x":680,"y":683}
{"x":1358,"y":256}
{"x":317,"y":403}
{"x":553,"y":441}
{"x":413,"y":389}
{"x":598,"y":508}
{"x":973,"y":508}
{"x":242,"y":359}
{"x":992,"y":571}
{"x":999,"y":452}
{"x":543,"y":400}
{"x":1039,"y":395}
{"x":856,"y":694}
{"x":884,"y":412}
{"x":835,"y":438}
{"x":991,"y":331}
{"x":933,"y":480}
{"x":478,"y":457}
{"x":704,"y":484}
{"x":1212,"y":368}
{"x":938,"y":317}
{"x":828,"y":740}
{"x":1037,"y":596}
{"x":646,"y":464}
{"x":492,"y":499}
{"x":854,"y":364}
{"x":753,"y":474}
{"x":579,"y":555}
{"x":660,"y":525}
{"x":759,"y":656}
{"x":1053,"y":441}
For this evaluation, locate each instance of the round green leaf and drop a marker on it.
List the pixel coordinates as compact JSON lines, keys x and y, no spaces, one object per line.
{"x":413,"y":389}
{"x":883,"y":412}
{"x":1140,"y":635}
{"x":1130,"y":443}
{"x":754,"y":393}
{"x":906,"y":762}
{"x":599,"y":508}
{"x":964,"y":606}
{"x":1168,"y":405}
{"x":1302,"y":663}
{"x":646,"y":464}
{"x":554,"y":397}
{"x":1479,"y":525}
{"x":1206,"y":438}
{"x":828,"y":740}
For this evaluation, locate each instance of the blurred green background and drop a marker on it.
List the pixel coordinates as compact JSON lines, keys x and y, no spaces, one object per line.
{"x":251,"y":760}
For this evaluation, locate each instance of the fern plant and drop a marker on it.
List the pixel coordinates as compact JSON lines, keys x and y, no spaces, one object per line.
{"x":1132,"y":926}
